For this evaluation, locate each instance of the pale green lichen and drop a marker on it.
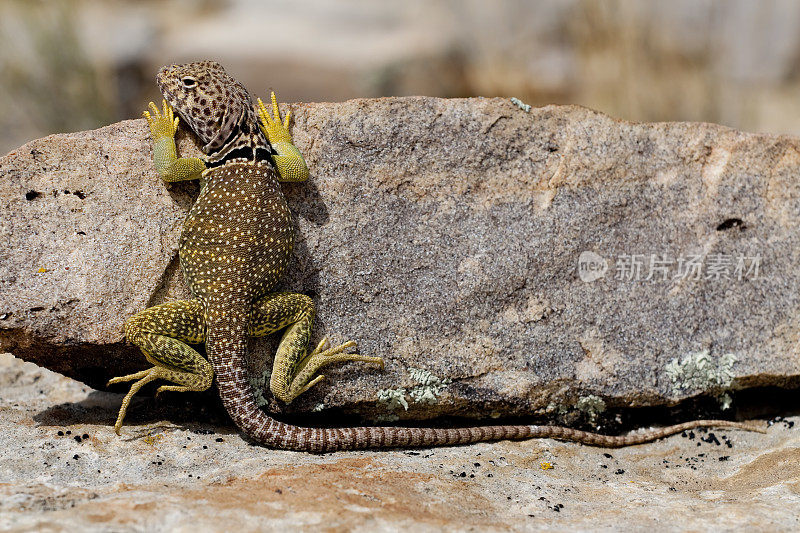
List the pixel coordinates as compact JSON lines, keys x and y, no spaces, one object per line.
{"x":558,"y":408}
{"x":591,"y":405}
{"x":428,"y":387}
{"x":520,"y":104}
{"x":725,"y":401}
{"x":258,"y":390}
{"x":702,"y":372}
{"x":425,"y":392}
{"x":392,"y":399}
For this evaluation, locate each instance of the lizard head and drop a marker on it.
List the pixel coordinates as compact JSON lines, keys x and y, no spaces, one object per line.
{"x":214,"y":105}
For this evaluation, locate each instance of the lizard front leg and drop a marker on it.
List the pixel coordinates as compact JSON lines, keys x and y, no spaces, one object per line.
{"x":290,"y":162}
{"x":162,"y":333}
{"x":163,"y":125}
{"x":294,"y":370}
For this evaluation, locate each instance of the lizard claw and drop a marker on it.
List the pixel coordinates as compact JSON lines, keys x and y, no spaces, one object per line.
{"x":323,"y":355}
{"x":163,"y":123}
{"x":275,"y":128}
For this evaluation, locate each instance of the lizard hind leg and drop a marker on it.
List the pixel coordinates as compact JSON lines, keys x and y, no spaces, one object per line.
{"x":162,"y":333}
{"x":294,"y":370}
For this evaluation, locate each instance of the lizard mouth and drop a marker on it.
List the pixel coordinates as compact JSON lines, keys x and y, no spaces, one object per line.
{"x":161,"y":80}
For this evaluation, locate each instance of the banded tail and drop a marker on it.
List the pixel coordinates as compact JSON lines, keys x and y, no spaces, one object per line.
{"x":237,"y":396}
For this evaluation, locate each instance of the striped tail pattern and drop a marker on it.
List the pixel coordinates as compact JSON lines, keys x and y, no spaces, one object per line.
{"x":237,"y":396}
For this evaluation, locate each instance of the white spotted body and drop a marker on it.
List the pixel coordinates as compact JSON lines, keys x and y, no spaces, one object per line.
{"x":238,"y":236}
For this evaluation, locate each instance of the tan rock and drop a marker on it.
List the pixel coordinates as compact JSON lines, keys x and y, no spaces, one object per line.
{"x":445,"y":236}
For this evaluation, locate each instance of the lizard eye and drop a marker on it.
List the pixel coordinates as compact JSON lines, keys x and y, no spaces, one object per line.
{"x":189,"y":82}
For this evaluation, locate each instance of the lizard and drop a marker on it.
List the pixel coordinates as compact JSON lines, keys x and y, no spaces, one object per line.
{"x":234,"y":247}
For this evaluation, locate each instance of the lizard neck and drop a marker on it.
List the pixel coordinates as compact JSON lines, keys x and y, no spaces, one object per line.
{"x":246,"y":154}
{"x":244,"y":144}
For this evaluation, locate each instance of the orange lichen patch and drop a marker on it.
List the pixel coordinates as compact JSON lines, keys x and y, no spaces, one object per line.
{"x":337,"y":496}
{"x":152,"y":440}
{"x":145,"y":507}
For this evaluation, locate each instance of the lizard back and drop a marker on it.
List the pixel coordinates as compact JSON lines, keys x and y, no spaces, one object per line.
{"x":238,"y":237}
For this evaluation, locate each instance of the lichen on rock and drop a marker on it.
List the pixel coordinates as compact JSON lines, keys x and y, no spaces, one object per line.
{"x":700,"y":372}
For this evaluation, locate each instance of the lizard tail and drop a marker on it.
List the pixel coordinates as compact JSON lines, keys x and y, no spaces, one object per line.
{"x":227,"y":352}
{"x":319,"y":440}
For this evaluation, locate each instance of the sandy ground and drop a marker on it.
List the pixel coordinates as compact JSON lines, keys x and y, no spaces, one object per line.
{"x":63,"y":468}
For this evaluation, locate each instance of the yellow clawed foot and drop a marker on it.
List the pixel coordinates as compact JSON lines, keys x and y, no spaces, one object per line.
{"x":326,"y":355}
{"x":162,"y":123}
{"x":144,"y":377}
{"x":287,"y":158}
{"x":187,"y":382}
{"x":321,"y":356}
{"x":272,"y":126}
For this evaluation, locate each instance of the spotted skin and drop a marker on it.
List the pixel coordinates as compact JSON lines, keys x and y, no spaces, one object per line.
{"x":236,"y":244}
{"x":214,"y":105}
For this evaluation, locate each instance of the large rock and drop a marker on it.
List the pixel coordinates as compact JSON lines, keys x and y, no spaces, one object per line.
{"x":503,"y":262}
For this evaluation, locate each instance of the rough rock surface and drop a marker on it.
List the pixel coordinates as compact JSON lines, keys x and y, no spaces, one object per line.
{"x":62,"y":468}
{"x":446,"y":237}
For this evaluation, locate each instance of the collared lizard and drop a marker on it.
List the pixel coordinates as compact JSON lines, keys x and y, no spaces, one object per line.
{"x":236,"y":243}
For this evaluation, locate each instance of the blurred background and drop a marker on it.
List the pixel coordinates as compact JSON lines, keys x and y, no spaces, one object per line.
{"x":70,"y":65}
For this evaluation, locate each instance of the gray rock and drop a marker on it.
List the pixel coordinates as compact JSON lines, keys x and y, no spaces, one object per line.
{"x":445,"y":236}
